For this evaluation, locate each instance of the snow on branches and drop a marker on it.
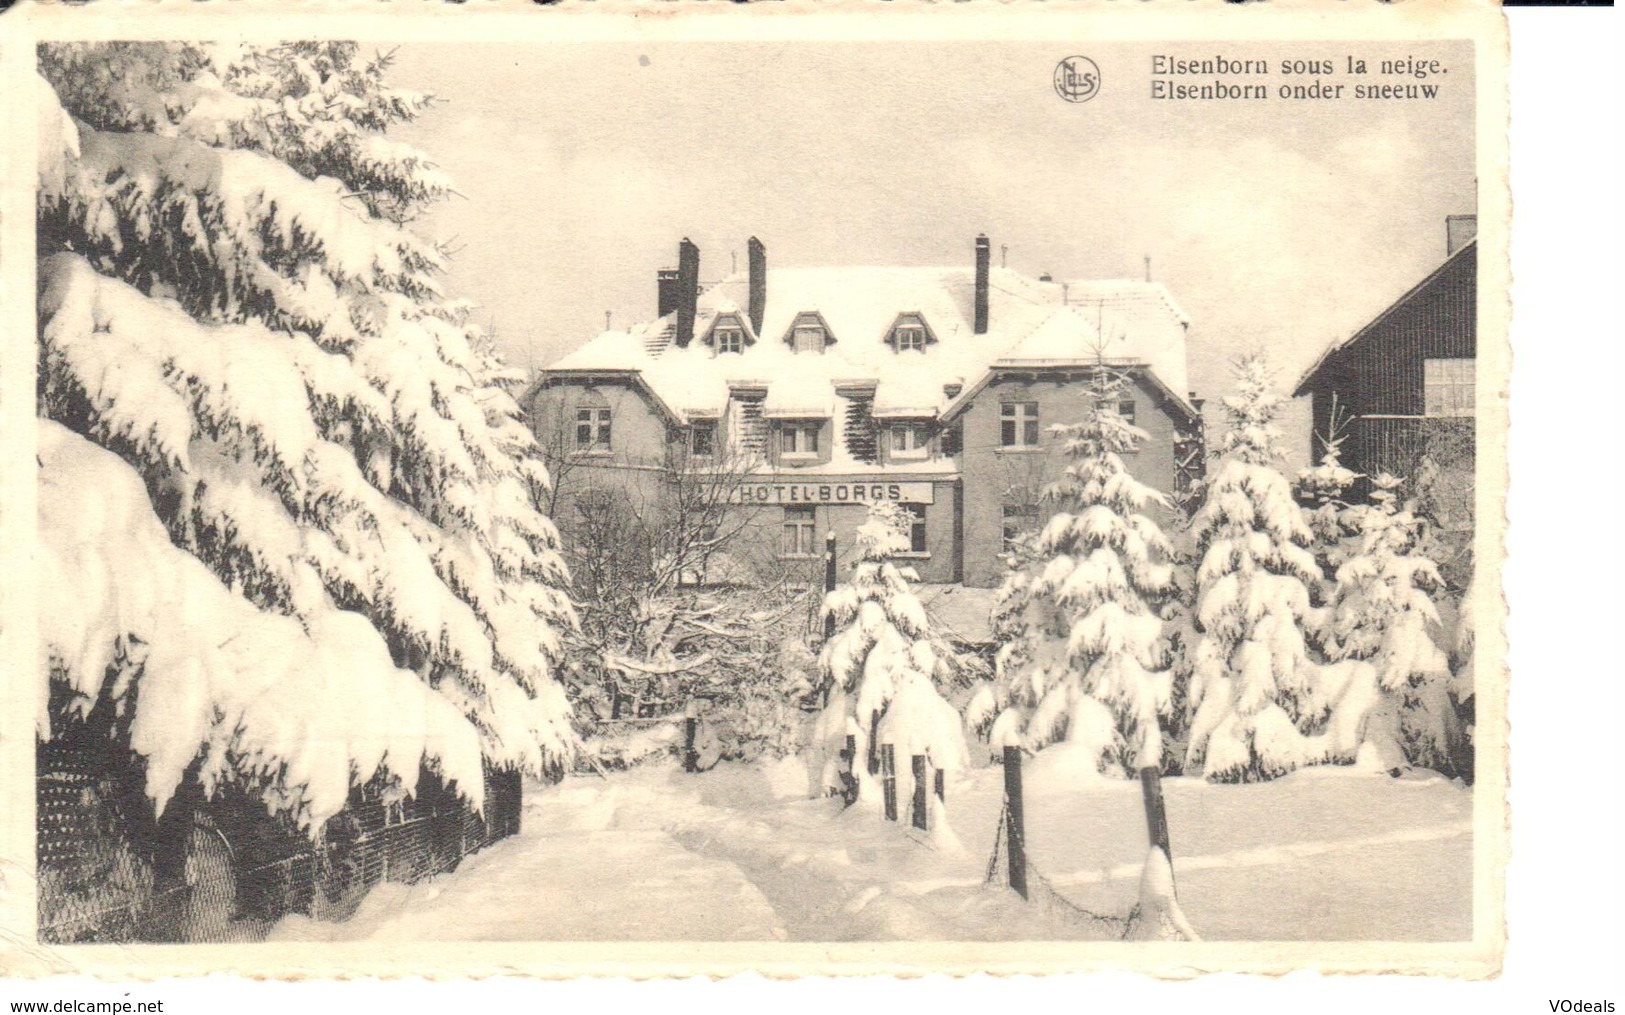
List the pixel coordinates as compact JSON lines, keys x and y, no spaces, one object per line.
{"x":1260,"y":701}
{"x":1381,"y":613}
{"x":119,"y":602}
{"x":1087,"y":660}
{"x":882,"y":664}
{"x":228,"y":304}
{"x":1317,"y":639}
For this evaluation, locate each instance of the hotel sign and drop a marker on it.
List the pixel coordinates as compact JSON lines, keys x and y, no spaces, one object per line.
{"x":833,"y":493}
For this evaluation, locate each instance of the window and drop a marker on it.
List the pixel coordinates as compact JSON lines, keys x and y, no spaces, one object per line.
{"x":808,"y":338}
{"x":799,"y":440}
{"x":799,"y":535}
{"x":909,"y":440}
{"x":910,"y":339}
{"x":702,"y":438}
{"x":1018,"y":424}
{"x":1447,"y":387}
{"x":1018,"y":519}
{"x":592,"y":429}
{"x":729,"y":340}
{"x":916,"y":527}
{"x":1125,"y":409}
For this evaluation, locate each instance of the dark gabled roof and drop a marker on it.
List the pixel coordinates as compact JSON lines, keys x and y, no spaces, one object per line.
{"x":1338,"y":347}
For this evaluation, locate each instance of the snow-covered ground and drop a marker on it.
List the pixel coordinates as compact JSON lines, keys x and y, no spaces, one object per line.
{"x":740,"y":853}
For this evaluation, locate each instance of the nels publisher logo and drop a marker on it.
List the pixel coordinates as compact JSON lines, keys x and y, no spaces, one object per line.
{"x":1077,"y":79}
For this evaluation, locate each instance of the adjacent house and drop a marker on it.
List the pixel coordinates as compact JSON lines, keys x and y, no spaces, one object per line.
{"x":817,"y":391}
{"x":1402,"y":388}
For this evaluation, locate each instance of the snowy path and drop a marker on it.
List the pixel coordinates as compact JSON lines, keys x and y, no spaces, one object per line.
{"x":593,"y":864}
{"x":739,"y":854}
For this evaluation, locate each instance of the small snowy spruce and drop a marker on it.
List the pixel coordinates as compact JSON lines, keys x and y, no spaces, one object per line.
{"x":1086,"y":658}
{"x":882,"y":665}
{"x":287,"y":513}
{"x":1323,"y":485}
{"x":1381,"y":613}
{"x":1256,"y":695}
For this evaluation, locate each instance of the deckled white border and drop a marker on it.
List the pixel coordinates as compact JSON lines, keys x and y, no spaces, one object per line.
{"x":1319,"y":20}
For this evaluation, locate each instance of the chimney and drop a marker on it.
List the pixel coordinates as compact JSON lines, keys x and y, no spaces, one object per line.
{"x":984,"y":252}
{"x":756,"y":264}
{"x":1459,"y":230}
{"x":688,"y":290}
{"x":665,"y":291}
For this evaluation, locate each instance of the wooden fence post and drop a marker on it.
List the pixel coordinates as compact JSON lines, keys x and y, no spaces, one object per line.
{"x":829,"y":618}
{"x":517,"y":785}
{"x":1015,"y":835}
{"x":849,"y":778}
{"x":921,"y":802}
{"x":691,"y":758}
{"x":874,"y":737}
{"x":1156,"y":816}
{"x":888,"y":779}
{"x":829,"y":580}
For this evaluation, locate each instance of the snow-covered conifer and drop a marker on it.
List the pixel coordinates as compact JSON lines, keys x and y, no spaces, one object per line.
{"x":1086,"y":658}
{"x":1257,"y":696}
{"x":1323,"y":485}
{"x":231,"y":308}
{"x":882,"y":665}
{"x":1381,"y":613}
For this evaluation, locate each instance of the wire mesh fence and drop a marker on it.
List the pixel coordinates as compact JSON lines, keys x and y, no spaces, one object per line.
{"x":221,"y":869}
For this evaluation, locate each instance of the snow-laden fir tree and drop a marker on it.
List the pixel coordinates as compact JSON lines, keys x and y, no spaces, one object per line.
{"x":1261,"y":704}
{"x":1088,"y":660}
{"x":1323,"y":485}
{"x":287,"y":508}
{"x":1381,"y":612}
{"x":882,"y":666}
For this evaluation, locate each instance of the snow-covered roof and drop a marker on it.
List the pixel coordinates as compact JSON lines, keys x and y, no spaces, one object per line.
{"x":1030,"y":322}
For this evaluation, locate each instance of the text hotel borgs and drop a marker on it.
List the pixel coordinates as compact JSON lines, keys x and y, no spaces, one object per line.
{"x":832,"y":493}
{"x":1225,"y":78}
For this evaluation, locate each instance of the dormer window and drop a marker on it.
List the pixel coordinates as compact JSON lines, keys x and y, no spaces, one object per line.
{"x":909,"y":333}
{"x":809,"y":338}
{"x":809,"y":333}
{"x":728,"y":334}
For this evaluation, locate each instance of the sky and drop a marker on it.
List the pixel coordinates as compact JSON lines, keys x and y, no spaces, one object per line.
{"x":1280,"y":225}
